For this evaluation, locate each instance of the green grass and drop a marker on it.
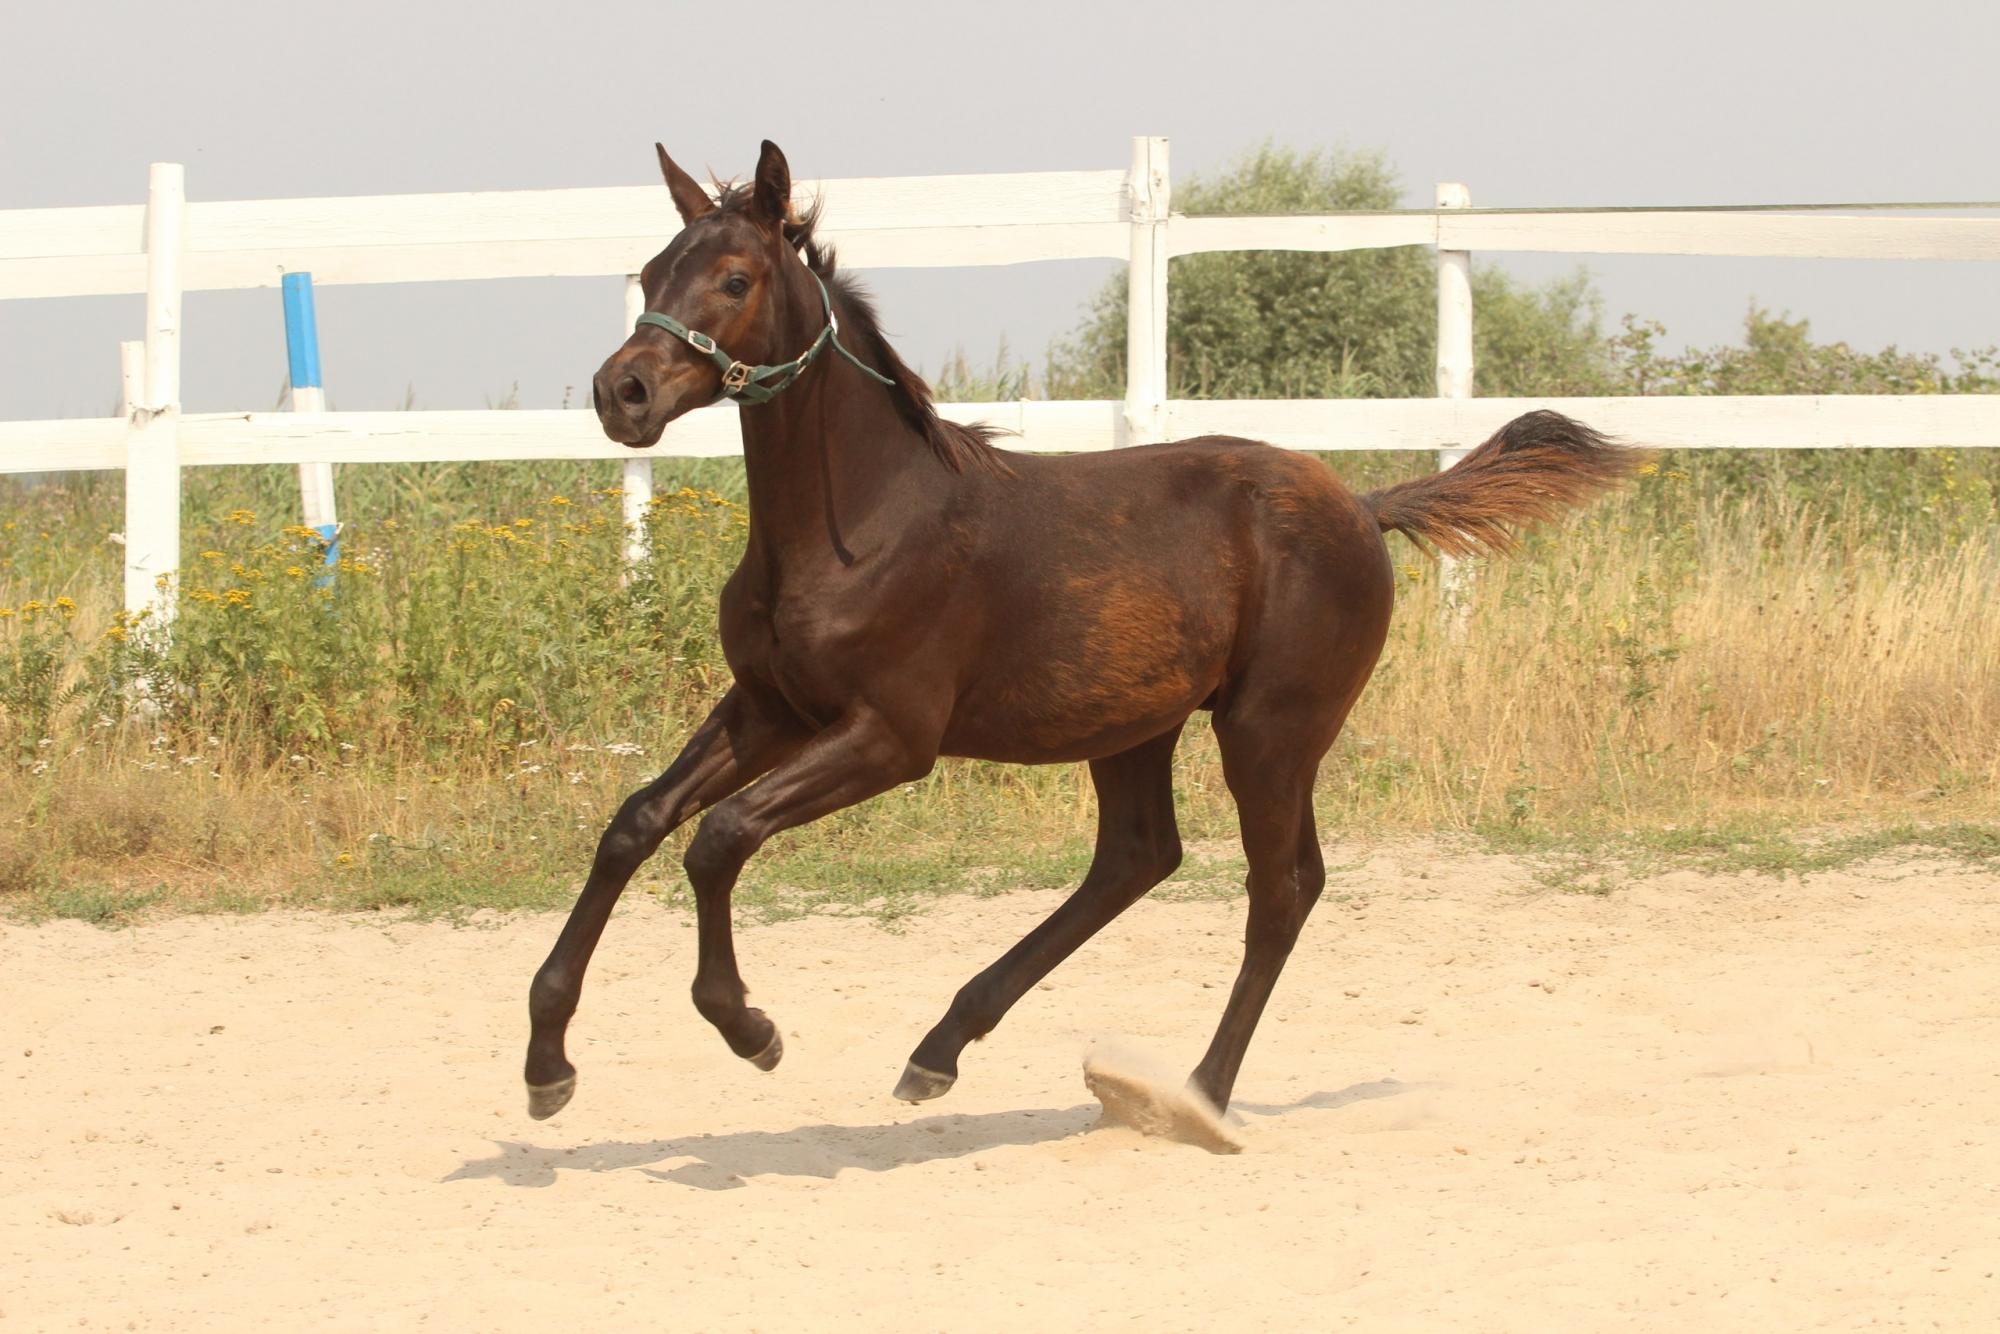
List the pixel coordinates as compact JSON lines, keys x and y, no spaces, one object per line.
{"x":889,"y":885}
{"x":1598,"y":863}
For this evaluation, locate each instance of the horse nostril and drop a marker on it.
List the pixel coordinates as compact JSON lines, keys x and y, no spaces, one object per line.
{"x":632,"y":392}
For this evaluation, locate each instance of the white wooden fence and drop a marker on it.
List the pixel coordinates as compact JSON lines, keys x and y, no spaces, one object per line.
{"x":168,"y":246}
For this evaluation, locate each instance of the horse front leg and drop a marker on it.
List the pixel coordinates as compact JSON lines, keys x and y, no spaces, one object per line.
{"x":739,"y":741}
{"x":856,"y":758}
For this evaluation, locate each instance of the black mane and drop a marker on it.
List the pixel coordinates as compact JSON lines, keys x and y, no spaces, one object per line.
{"x":956,"y":445}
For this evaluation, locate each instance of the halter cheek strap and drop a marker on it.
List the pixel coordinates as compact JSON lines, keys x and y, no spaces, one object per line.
{"x":761,"y":384}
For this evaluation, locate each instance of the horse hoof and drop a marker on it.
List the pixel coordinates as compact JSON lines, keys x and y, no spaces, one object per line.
{"x":545,"y":1100}
{"x":921,"y":1085}
{"x":767,"y":1059}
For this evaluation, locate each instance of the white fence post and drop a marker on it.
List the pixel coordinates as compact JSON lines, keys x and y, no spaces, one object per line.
{"x":152,"y":458}
{"x":1454,"y":363}
{"x":131,"y":376}
{"x":1151,"y":191}
{"x":638,"y":481}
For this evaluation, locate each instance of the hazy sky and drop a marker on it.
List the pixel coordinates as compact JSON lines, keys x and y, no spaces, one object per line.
{"x":1529,"y":104}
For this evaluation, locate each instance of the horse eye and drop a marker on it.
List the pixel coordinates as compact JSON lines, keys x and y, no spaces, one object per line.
{"x":737,"y":285}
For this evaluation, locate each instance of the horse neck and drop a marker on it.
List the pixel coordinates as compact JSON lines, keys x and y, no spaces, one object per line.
{"x":825,"y":455}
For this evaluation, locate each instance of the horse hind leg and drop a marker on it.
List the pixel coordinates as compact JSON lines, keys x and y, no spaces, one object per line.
{"x":1138,"y":846}
{"x":1272,"y":782}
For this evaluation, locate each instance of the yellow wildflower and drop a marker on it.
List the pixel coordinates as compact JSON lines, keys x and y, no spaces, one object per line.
{"x":244,"y":517}
{"x":211,"y":555}
{"x":559,"y":500}
{"x":67,"y":606}
{"x":1648,"y":468}
{"x":294,"y":572}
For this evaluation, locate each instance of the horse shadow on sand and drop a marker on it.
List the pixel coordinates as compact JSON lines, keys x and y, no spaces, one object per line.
{"x":729,"y":1161}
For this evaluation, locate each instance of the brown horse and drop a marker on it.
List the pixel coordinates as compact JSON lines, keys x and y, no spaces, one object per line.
{"x":908,"y":591}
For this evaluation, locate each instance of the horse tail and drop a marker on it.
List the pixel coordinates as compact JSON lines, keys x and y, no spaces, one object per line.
{"x":1531,"y":471}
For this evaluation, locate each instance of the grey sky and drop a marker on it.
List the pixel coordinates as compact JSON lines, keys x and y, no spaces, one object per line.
{"x":1534,"y":104}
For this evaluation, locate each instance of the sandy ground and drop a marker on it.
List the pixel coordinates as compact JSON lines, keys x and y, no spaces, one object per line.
{"x":1714,"y":1103}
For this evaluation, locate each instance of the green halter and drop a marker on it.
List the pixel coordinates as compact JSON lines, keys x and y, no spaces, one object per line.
{"x":761,"y":384}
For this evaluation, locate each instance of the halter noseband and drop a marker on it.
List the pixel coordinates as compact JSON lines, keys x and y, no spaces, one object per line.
{"x":761,"y":384}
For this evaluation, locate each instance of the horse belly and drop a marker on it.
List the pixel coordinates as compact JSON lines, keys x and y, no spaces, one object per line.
{"x":1098,"y":671}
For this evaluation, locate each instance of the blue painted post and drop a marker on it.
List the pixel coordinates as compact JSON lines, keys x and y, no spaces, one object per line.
{"x":302,"y":354}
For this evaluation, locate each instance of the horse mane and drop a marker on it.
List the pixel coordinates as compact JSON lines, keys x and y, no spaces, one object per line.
{"x":955,"y":444}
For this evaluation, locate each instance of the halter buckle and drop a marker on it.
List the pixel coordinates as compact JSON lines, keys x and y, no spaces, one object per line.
{"x":700,"y":341}
{"x":735,"y":378}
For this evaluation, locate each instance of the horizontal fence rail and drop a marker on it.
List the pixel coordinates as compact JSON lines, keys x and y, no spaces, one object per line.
{"x":1603,"y":232}
{"x":905,"y":222}
{"x":168,"y":246}
{"x":911,"y":222}
{"x":1900,"y":421}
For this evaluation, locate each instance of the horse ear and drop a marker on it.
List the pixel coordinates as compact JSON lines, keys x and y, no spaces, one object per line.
{"x":689,"y":198}
{"x":772,"y":199}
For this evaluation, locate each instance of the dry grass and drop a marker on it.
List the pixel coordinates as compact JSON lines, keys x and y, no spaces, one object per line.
{"x":1749,"y":662}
